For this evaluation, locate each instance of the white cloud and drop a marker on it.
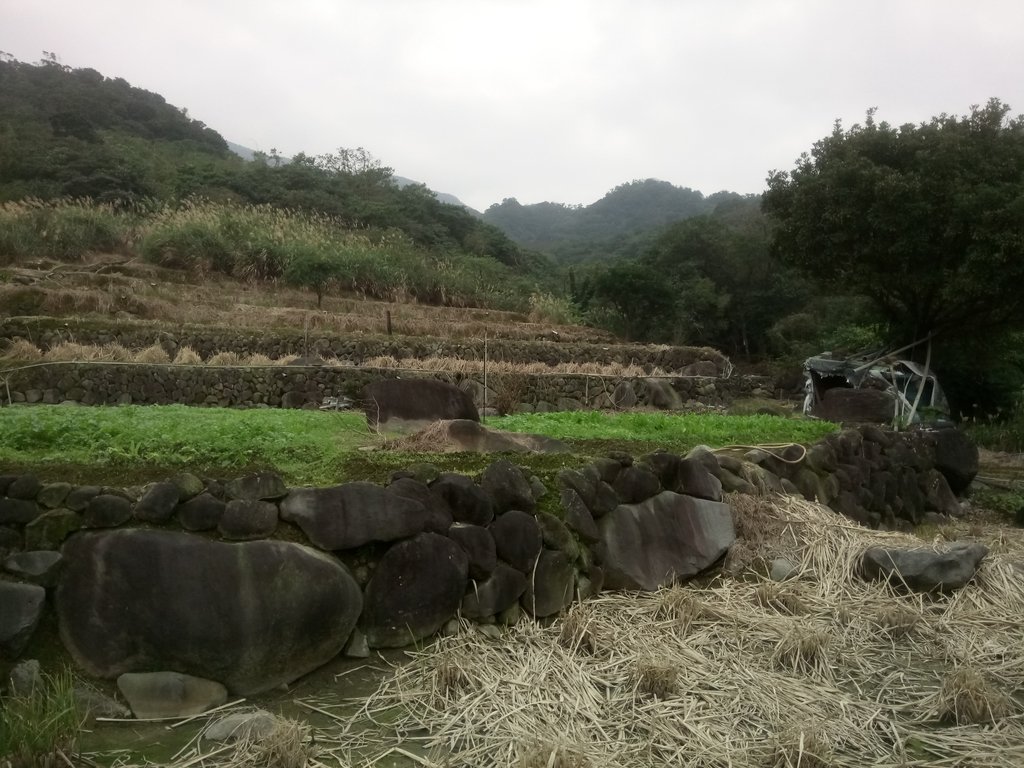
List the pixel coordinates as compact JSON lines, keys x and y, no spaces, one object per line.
{"x":544,"y":99}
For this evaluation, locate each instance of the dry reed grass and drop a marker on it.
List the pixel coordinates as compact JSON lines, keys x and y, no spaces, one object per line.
{"x":753,"y":687}
{"x":187,"y":356}
{"x":464,"y":366}
{"x":153,"y":354}
{"x":22,"y":350}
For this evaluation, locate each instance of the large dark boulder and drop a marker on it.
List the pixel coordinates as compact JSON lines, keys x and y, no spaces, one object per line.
{"x":37,"y":567}
{"x":504,"y":482}
{"x":956,"y":457}
{"x":438,"y":514}
{"x":663,"y":540}
{"x":696,"y":480}
{"x":578,"y":517}
{"x":416,"y":587}
{"x":251,"y":615}
{"x":246,"y":519}
{"x":478,"y":544}
{"x":49,"y":530}
{"x":551,"y":587}
{"x":518,"y":539}
{"x":923,"y":570}
{"x":468,"y":502}
{"x":350,"y":515}
{"x":24,"y":487}
{"x":404,"y":403}
{"x":493,"y":595}
{"x":18,"y":511}
{"x":259,"y":486}
{"x":202,"y":513}
{"x":107,"y":511}
{"x":157,"y":503}
{"x":636,"y":483}
{"x":21,"y":606}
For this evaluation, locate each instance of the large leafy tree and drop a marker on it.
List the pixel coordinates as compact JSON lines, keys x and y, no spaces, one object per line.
{"x":927,"y":220}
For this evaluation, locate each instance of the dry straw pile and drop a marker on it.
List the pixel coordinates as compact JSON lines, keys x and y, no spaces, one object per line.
{"x":822,"y":670}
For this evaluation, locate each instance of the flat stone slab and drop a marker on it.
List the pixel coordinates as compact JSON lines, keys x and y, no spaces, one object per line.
{"x":923,"y":570}
{"x":169,"y":694}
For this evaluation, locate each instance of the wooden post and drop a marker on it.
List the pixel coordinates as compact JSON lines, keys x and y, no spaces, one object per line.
{"x":483,"y":416}
{"x":387,"y":316}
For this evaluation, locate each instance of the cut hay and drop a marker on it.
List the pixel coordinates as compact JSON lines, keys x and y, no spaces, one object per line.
{"x":152,"y":354}
{"x":729,"y":675}
{"x":187,"y":356}
{"x":225,"y":358}
{"x":21,"y":350}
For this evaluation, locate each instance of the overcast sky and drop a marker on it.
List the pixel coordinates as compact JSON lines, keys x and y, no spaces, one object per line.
{"x":556,"y":100}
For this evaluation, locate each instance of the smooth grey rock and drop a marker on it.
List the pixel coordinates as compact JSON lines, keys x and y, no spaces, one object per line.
{"x":578,"y":517}
{"x":52,"y":495}
{"x":39,"y":567}
{"x":189,"y":486}
{"x":468,"y":502}
{"x":551,"y":588}
{"x":21,"y":606}
{"x":26,"y":676}
{"x":956,"y":457}
{"x":493,"y":595}
{"x":695,"y":480}
{"x":201,"y":513}
{"x":24,"y":487}
{"x":252,"y":615}
{"x":18,"y":511}
{"x":157,"y":503}
{"x":241,"y":726}
{"x":438,"y":514}
{"x":556,"y":535}
{"x":92,"y":704}
{"x":707,"y":459}
{"x":663,"y":540}
{"x":78,"y":498}
{"x":938,"y":495}
{"x":10,"y":541}
{"x":350,"y":515}
{"x":247,"y":519}
{"x":517,"y":539}
{"x":357,"y":647}
{"x":49,"y":530}
{"x":107,"y":511}
{"x":923,"y":570}
{"x":636,"y":483}
{"x":783,"y":570}
{"x":416,"y":587}
{"x":169,"y":694}
{"x":508,"y":488}
{"x":478,"y":544}
{"x":260,"y":486}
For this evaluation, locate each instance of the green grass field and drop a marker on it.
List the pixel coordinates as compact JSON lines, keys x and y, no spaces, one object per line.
{"x":137,"y":443}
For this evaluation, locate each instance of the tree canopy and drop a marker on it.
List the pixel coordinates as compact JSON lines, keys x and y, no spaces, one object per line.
{"x":926,"y":220}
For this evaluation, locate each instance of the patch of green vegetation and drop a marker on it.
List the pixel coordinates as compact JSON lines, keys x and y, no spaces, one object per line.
{"x":306,"y":447}
{"x":999,"y":434}
{"x":38,"y":724}
{"x":1009,"y":503}
{"x":671,"y":431}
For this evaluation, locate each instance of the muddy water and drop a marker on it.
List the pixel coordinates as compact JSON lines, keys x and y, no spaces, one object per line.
{"x":339,"y":688}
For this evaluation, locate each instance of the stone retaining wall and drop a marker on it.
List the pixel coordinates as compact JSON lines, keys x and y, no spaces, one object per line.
{"x":49,"y":332}
{"x":307,"y":386}
{"x":253,"y":584}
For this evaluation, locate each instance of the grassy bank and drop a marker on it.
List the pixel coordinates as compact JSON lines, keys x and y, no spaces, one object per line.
{"x":321,"y":448}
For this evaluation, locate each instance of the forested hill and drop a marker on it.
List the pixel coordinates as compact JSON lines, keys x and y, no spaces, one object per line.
{"x":616,"y":225}
{"x":73,"y":133}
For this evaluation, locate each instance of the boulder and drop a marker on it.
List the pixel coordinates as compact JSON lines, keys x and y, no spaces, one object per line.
{"x":252,"y":615}
{"x":578,"y":517}
{"x":169,"y":694}
{"x":624,"y":396}
{"x":556,"y":535}
{"x":25,"y":677}
{"x":417,"y":586}
{"x":189,"y":486}
{"x":17,"y":511}
{"x":157,"y":503}
{"x":478,"y":544}
{"x":663,"y":540}
{"x":660,"y":394}
{"x":107,"y":511}
{"x":21,"y":606}
{"x":260,"y":486}
{"x":517,"y":539}
{"x":247,"y":519}
{"x":78,"y":498}
{"x":38,"y":567}
{"x":10,"y":541}
{"x":201,"y":513}
{"x":551,"y":588}
{"x":956,"y":457}
{"x":706,"y":457}
{"x":241,"y":726}
{"x":350,"y":515}
{"x":924,"y":570}
{"x":493,"y":595}
{"x":508,"y":488}
{"x":412,"y":403}
{"x":938,"y":495}
{"x":468,"y":502}
{"x":24,"y":487}
{"x":49,"y":530}
{"x":636,"y":483}
{"x":438,"y":514}
{"x":52,"y":495}
{"x":696,"y":480}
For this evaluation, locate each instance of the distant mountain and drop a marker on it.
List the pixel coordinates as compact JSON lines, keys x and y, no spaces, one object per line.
{"x":609,"y":227}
